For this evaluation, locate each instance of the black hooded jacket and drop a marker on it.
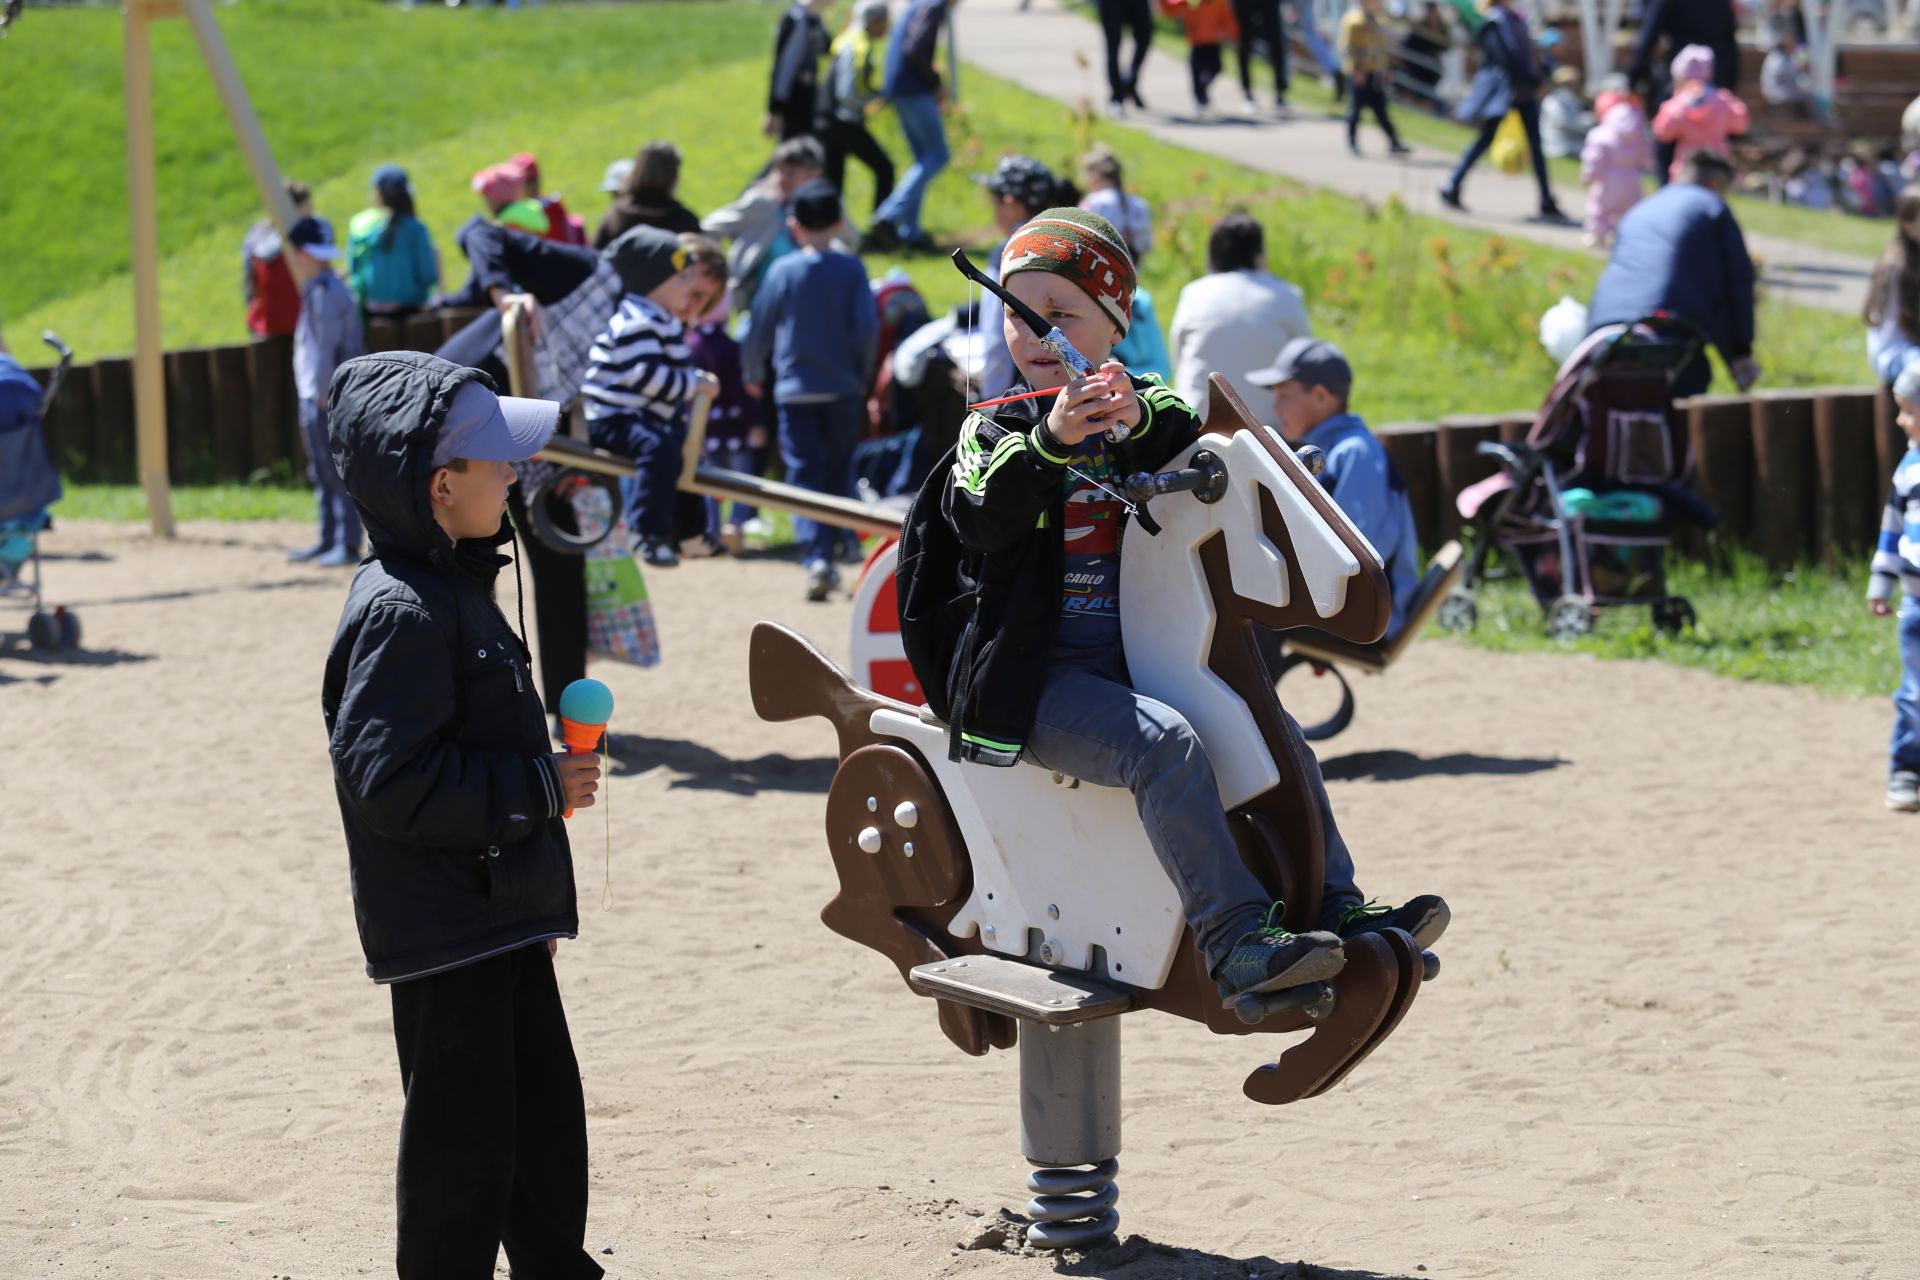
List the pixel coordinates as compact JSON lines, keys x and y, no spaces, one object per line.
{"x":441,"y":759}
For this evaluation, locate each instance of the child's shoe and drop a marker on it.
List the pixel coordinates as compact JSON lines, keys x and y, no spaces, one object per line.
{"x":758,"y":527}
{"x":1425,"y":918}
{"x":1270,"y":958}
{"x":1903,"y":791}
{"x":660,"y":555}
{"x":733,"y":538}
{"x":1399,"y":148}
{"x":305,"y":554}
{"x":821,"y":580}
{"x":337,"y":558}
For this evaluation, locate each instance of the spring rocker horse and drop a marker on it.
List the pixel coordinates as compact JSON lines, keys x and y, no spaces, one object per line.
{"x":1032,"y":909}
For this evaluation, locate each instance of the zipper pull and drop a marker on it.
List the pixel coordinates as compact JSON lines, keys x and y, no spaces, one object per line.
{"x":517,"y":686}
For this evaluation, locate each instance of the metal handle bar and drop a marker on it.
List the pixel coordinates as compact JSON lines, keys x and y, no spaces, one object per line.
{"x":1206,"y":480}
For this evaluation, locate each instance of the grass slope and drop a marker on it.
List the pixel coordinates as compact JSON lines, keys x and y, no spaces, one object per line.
{"x":1436,"y":318}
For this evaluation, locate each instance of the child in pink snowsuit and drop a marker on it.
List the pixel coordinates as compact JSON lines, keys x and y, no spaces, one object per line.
{"x":1698,"y":115}
{"x":1614,"y":162}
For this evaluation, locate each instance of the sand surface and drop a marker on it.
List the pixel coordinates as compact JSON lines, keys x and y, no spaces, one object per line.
{"x":1678,"y":1033}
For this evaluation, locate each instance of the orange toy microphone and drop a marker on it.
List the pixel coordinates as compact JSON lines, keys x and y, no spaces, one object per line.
{"x":585,"y":708}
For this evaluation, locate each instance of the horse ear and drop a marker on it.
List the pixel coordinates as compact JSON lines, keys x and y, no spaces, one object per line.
{"x":1226,"y":411}
{"x":1369,"y":598}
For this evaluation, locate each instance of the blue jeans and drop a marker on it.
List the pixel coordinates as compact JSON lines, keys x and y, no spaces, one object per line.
{"x":740,"y":459}
{"x":649,"y":492}
{"x":1905,"y":750}
{"x":816,"y":443}
{"x":927,"y":137}
{"x":338,"y":518}
{"x":1090,"y":725}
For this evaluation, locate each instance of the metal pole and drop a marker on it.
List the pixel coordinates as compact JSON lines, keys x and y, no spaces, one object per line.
{"x":1597,"y":48}
{"x":246,"y":125}
{"x":149,"y":381}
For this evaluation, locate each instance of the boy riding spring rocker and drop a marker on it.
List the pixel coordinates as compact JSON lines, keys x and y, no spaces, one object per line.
{"x":1052,"y":621}
{"x":1010,"y":612}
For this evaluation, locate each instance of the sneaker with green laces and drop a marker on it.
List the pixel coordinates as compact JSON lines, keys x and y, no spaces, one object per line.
{"x":1270,"y":958}
{"x":1425,"y":918}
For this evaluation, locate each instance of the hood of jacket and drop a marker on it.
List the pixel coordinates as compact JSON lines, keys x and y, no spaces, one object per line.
{"x":386,"y":415}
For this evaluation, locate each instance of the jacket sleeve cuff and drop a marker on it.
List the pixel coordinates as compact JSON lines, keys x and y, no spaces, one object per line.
{"x":1047,"y":447}
{"x":546,"y":786}
{"x":1880,"y":586}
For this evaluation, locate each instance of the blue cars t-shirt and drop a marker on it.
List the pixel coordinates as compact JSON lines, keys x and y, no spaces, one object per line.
{"x":1090,"y":586}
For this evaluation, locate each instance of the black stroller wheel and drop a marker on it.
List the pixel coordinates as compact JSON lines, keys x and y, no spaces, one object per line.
{"x":67,"y":625}
{"x":1674,"y":616}
{"x":1458,"y":612}
{"x":1570,"y":618}
{"x":562,"y":488}
{"x":1342,"y":715}
{"x":43,"y":633}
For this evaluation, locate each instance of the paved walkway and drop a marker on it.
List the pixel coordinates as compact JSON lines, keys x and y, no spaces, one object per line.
{"x":1056,"y":52}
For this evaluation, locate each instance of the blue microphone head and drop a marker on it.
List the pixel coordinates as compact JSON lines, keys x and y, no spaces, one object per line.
{"x":586,"y":702}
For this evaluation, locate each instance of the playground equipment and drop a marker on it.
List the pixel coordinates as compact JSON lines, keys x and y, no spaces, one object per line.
{"x":978,"y":883}
{"x":1325,"y":655}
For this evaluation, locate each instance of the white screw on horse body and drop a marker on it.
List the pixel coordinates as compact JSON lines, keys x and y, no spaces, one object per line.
{"x":870,"y":840}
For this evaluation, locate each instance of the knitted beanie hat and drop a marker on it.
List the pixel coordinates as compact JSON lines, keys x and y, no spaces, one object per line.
{"x":1083,"y":247}
{"x":1695,"y":62}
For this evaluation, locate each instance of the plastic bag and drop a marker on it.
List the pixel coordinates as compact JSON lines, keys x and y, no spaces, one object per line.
{"x":1509,"y":151}
{"x":1562,"y":327}
{"x":619,"y":615}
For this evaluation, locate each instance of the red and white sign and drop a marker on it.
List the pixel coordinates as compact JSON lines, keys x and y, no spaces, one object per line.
{"x":879,"y":659}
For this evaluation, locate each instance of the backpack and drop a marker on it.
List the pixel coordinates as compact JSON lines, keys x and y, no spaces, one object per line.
{"x":935,"y":594}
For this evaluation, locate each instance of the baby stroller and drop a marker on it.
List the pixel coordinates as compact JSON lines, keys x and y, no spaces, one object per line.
{"x":29,"y":484}
{"x":1589,"y":503}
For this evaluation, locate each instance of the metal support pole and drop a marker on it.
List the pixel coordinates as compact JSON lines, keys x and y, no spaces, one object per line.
{"x":149,"y":379}
{"x":246,"y":125}
{"x":1070,"y":1127}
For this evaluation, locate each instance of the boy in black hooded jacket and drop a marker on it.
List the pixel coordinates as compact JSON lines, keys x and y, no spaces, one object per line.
{"x":1025,"y":659}
{"x":451,"y":800}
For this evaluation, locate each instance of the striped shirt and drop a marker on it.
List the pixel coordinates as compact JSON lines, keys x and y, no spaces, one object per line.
{"x":640,"y":365}
{"x":1898,"y":554}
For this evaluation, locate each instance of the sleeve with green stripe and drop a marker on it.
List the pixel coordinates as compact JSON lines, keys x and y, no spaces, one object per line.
{"x":1167,"y":425}
{"x":1002,"y":483}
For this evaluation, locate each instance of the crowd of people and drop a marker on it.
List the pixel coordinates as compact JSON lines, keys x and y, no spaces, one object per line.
{"x":1010,"y":556}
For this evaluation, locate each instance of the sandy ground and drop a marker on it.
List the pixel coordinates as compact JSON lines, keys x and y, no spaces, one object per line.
{"x":1676,"y":1035}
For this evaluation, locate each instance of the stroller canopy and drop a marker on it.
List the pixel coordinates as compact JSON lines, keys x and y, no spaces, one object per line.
{"x":28,"y":481}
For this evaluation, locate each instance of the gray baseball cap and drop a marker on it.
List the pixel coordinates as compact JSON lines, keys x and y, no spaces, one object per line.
{"x":490,"y":428}
{"x":1310,"y":361}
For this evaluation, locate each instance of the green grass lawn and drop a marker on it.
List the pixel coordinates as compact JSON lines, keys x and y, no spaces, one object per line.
{"x":190,"y":502}
{"x":1437,"y":319}
{"x":1810,"y":626}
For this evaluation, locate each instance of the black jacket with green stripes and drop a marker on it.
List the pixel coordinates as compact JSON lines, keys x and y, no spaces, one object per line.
{"x":982,"y":560}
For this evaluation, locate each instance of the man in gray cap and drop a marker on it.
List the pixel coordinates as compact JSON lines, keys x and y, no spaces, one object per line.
{"x":1311,"y":383}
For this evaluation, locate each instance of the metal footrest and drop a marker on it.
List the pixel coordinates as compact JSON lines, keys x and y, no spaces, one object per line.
{"x":1019,"y":990}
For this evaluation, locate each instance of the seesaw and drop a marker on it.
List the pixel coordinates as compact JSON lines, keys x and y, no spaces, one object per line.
{"x":1031,"y":908}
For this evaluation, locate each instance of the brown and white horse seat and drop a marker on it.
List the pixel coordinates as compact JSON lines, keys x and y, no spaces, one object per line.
{"x":939,"y":860}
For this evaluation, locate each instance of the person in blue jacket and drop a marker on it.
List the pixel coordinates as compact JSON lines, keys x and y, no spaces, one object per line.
{"x":1680,"y":251}
{"x":1509,"y":79}
{"x":1311,"y":384}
